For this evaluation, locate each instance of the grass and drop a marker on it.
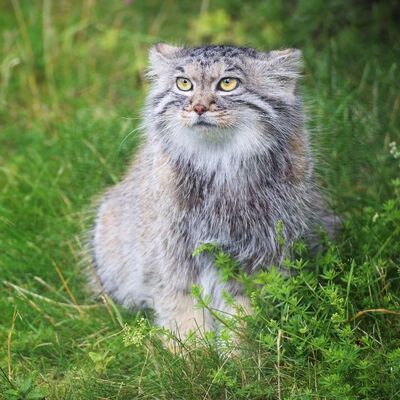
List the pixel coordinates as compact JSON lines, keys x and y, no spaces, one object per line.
{"x":71,"y":90}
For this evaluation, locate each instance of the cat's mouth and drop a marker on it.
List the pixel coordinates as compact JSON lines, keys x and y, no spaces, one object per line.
{"x":206,"y":122}
{"x":202,"y":123}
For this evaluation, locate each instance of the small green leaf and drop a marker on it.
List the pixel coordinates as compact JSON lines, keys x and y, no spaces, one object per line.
{"x":38,"y":393}
{"x":26,"y":385}
{"x":96,"y":357}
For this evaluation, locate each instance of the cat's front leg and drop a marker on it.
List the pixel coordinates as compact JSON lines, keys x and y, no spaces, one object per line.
{"x":175,"y":309}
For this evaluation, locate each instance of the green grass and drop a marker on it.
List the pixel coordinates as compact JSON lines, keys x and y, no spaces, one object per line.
{"x":71,"y":90}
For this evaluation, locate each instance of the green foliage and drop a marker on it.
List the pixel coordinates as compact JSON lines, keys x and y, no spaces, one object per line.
{"x":228,"y":267}
{"x":71,"y":87}
{"x":100,"y":361}
{"x":22,"y":389}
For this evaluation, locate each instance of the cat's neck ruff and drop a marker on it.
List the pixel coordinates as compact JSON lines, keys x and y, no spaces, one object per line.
{"x":221,"y":152}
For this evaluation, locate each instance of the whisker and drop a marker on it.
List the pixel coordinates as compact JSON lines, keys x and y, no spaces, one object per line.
{"x":127,"y":136}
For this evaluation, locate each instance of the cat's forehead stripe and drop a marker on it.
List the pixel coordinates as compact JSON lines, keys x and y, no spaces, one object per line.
{"x":235,"y":67}
{"x":214,"y":70}
{"x":221,"y":51}
{"x":216,"y":59}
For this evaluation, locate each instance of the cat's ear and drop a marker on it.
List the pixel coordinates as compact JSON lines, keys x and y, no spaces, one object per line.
{"x":160,"y":56}
{"x":286,"y":66}
{"x":164,"y":51}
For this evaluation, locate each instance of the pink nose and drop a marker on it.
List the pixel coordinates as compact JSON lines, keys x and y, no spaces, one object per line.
{"x":200,"y":109}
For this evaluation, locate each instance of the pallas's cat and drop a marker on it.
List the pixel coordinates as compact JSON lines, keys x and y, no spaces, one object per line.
{"x":225,"y":159}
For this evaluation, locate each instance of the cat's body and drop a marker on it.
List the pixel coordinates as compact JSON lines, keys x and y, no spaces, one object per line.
{"x":216,"y":165}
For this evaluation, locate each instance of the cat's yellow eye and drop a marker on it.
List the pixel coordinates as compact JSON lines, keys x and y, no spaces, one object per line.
{"x":228,"y":84}
{"x":184,"y":84}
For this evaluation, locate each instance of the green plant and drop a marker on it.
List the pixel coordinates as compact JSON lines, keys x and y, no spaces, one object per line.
{"x":23,"y":389}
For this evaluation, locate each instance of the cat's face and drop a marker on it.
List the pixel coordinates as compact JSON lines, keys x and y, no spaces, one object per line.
{"x":221,"y":96}
{"x":205,"y":95}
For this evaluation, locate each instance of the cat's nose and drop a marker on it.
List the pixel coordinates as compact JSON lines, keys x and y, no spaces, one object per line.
{"x":199,"y":109}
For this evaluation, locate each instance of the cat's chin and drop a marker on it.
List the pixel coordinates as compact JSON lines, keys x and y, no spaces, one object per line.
{"x":204,"y":124}
{"x":209,"y":127}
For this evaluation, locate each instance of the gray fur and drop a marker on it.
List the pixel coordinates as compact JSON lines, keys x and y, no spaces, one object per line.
{"x":228,"y":176}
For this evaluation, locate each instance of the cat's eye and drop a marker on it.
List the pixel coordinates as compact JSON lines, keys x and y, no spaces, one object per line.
{"x":184,"y":84}
{"x":228,"y":84}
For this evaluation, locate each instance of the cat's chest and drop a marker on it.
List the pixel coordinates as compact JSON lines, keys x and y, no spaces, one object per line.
{"x":228,"y":210}
{"x":249,"y":203}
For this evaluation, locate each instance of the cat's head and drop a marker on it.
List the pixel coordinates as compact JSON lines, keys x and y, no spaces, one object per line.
{"x":223,"y":99}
